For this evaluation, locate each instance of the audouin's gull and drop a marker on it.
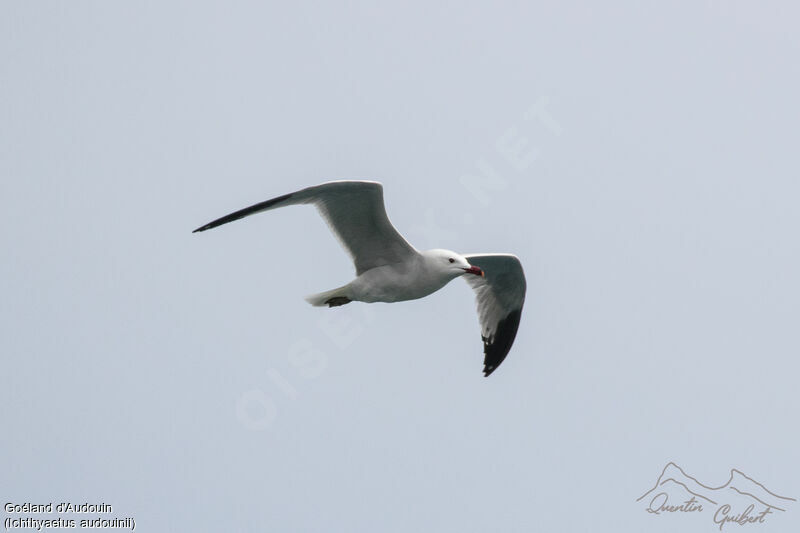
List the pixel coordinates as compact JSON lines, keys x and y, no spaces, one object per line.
{"x":389,"y":269}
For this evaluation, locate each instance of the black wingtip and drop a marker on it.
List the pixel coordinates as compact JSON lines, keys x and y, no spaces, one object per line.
{"x":255,"y":208}
{"x":496,"y":349}
{"x":489,"y":368}
{"x":214,"y":224}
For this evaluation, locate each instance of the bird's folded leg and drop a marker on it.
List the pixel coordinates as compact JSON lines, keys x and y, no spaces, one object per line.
{"x":337,"y":301}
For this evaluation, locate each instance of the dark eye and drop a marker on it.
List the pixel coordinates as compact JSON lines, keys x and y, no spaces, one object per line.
{"x":452,"y":260}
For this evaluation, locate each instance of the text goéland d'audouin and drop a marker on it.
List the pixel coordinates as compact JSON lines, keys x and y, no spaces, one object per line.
{"x":63,"y":507}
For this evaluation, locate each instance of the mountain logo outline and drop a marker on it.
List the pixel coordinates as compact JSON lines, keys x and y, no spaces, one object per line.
{"x":740,"y":500}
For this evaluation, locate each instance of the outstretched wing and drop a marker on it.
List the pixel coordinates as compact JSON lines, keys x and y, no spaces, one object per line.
{"x":500,"y":295}
{"x":355,"y":212}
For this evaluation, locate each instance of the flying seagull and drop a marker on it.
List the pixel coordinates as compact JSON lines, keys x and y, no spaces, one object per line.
{"x":389,"y":269}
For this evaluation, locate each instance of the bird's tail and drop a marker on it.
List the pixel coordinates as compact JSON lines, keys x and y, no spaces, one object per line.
{"x":330,"y":298}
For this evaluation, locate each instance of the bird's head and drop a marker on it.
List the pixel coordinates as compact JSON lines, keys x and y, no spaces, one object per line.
{"x":451,"y":263}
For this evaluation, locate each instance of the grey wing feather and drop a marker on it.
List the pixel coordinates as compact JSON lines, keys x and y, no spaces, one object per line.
{"x":500,"y":295}
{"x":355,"y":212}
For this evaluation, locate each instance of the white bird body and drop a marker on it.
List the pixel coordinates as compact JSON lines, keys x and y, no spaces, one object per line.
{"x":389,"y":269}
{"x":419,"y":276}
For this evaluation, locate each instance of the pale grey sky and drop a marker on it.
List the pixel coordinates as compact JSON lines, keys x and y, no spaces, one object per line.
{"x":640,"y":159}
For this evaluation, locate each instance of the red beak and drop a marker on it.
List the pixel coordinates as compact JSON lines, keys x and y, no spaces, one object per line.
{"x":474,"y":270}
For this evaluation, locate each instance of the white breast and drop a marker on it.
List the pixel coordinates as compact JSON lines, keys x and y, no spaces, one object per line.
{"x":397,"y":283}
